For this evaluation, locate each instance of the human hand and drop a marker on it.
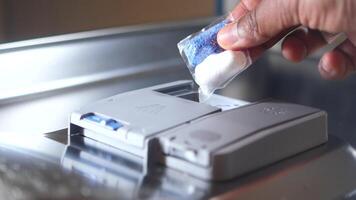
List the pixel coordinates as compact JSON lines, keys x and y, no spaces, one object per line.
{"x":258,"y":24}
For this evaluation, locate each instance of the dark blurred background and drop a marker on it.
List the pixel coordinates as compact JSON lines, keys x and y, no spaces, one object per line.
{"x":22,"y":19}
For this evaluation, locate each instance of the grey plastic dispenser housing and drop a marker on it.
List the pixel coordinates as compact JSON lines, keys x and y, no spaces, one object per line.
{"x":215,"y":140}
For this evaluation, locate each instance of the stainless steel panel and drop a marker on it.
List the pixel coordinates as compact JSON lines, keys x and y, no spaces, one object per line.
{"x":43,"y":80}
{"x":325,"y":172}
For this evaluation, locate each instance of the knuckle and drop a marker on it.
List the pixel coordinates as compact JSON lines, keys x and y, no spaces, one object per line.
{"x":329,"y":15}
{"x":291,"y":10}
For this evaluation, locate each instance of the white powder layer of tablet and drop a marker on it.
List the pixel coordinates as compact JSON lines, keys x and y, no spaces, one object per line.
{"x":217,"y":69}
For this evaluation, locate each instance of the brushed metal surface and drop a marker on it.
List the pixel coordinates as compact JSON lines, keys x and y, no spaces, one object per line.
{"x":43,"y":80}
{"x":36,"y":172}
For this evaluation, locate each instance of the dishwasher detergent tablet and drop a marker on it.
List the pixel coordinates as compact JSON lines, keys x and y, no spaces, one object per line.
{"x":211,"y":66}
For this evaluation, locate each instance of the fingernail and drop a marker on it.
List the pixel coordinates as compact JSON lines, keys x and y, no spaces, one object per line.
{"x":241,"y":31}
{"x":231,"y":17}
{"x":231,"y":35}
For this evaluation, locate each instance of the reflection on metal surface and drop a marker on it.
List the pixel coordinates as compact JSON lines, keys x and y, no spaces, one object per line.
{"x":350,"y":196}
{"x":28,"y":172}
{"x":72,"y":82}
{"x":96,"y":171}
{"x":34,"y":145}
{"x":122,"y":171}
{"x":326,"y":172}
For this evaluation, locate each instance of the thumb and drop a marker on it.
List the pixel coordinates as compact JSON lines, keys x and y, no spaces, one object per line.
{"x":259,"y":25}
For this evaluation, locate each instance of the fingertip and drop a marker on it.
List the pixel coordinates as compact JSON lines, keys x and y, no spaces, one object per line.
{"x":333,"y":66}
{"x":323,"y":72}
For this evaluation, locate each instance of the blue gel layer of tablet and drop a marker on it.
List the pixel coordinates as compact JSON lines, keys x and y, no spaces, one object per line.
{"x":201,"y":45}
